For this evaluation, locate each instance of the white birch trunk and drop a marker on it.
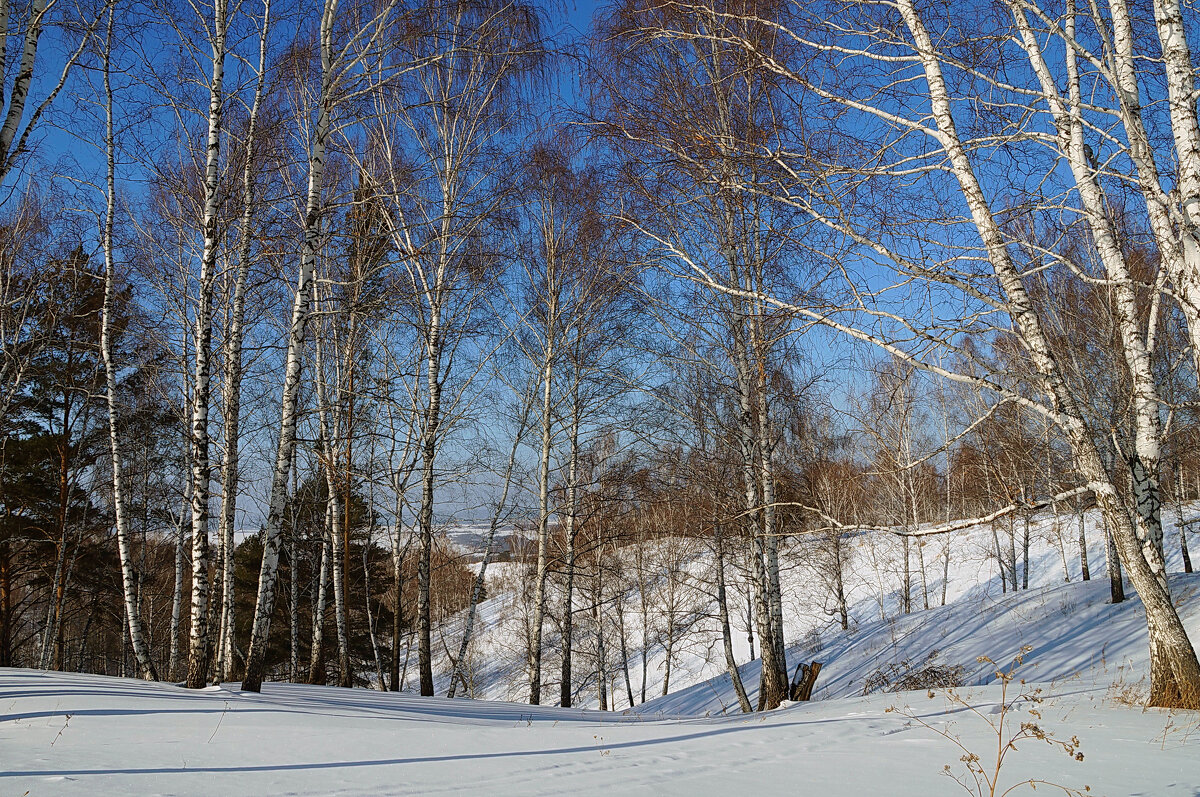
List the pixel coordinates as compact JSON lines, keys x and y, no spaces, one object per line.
{"x":199,"y":649}
{"x":137,"y":636}
{"x":177,"y":595}
{"x":234,"y":369}
{"x":539,"y":595}
{"x":726,"y":634}
{"x":429,"y":449}
{"x":265,"y":603}
{"x":568,"y":628}
{"x":316,"y":648}
{"x":335,"y":508}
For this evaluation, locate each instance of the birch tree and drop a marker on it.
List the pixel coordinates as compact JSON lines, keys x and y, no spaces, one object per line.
{"x":683,"y":105}
{"x":574,"y":288}
{"x":234,"y":364}
{"x":23,"y":76}
{"x":199,"y":656}
{"x":337,"y":82}
{"x":137,"y":636}
{"x":434,"y":153}
{"x":916,"y":141}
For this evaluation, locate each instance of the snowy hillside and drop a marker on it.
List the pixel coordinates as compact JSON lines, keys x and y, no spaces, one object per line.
{"x":980,"y":619}
{"x":66,"y":734}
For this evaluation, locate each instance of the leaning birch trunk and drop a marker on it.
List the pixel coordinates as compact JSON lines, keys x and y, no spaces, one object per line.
{"x":488,"y":547}
{"x":265,"y":602}
{"x":137,"y":636}
{"x":234,"y":370}
{"x":199,"y":650}
{"x":1174,"y":668}
{"x":735,"y":675}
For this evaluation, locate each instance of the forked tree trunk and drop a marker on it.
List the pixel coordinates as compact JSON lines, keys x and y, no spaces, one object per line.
{"x":268,"y":572}
{"x":316,"y":649}
{"x":233,"y":382}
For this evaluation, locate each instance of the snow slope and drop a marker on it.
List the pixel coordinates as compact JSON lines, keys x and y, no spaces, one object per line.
{"x":69,"y":734}
{"x":880,"y":633}
{"x":65,"y":734}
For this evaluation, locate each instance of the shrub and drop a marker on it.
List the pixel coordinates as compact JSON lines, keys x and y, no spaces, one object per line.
{"x":905,"y":675}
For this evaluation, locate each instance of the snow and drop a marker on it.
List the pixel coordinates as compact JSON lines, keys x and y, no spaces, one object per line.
{"x":71,"y":734}
{"x":79,"y":734}
{"x":496,"y":661}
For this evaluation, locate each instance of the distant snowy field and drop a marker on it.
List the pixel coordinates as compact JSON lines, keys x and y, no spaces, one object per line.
{"x":89,"y":735}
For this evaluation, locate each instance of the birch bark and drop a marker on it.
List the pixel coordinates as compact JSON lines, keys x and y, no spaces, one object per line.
{"x":232,"y":397}
{"x":137,"y":635}
{"x":199,"y":650}
{"x":268,"y":572}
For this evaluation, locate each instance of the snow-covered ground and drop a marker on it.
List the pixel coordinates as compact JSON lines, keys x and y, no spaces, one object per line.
{"x":90,"y":735}
{"x":880,"y":633}
{"x":79,"y":734}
